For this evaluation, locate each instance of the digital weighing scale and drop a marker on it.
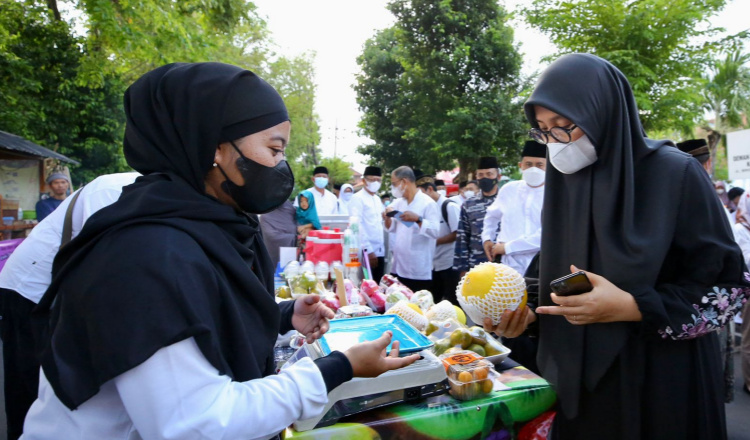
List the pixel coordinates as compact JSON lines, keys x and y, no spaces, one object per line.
{"x":424,"y":378}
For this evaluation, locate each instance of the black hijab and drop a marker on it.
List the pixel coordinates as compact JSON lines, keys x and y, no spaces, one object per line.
{"x":614,"y":218}
{"x":167,"y":262}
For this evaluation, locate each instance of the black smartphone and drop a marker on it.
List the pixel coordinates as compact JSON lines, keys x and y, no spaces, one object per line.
{"x":392,"y":213}
{"x":572,"y":284}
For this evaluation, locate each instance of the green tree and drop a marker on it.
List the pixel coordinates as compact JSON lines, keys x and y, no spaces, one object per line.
{"x":660,"y":45}
{"x":131,"y":37}
{"x":295,"y":80}
{"x":41,"y":100}
{"x":339,"y":172}
{"x":439,"y":86}
{"x":726,"y":96}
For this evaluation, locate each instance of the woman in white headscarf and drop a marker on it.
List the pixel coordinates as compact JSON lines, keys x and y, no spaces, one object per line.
{"x":345,"y":195}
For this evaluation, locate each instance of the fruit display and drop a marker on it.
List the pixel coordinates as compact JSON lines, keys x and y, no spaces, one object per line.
{"x":445,"y":310}
{"x":489,"y":289}
{"x":474,"y":339}
{"x":470,"y":376}
{"x":411,"y":314}
{"x":400,"y":288}
{"x":375,"y":298}
{"x":284,"y":292}
{"x":423,"y":299}
{"x":306,"y":283}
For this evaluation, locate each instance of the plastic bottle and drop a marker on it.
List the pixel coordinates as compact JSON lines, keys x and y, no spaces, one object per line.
{"x":347,"y":244}
{"x":353,"y":246}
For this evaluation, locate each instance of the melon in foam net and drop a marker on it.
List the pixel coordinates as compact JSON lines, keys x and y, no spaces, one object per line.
{"x":489,"y":289}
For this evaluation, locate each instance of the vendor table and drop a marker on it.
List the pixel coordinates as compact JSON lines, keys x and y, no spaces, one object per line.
{"x":497,"y":416}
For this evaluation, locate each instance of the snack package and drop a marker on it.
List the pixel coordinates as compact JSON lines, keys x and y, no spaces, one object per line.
{"x":369,"y":287}
{"x":387,"y":281}
{"x":352,"y":311}
{"x":377,"y":302}
{"x":400,"y":288}
{"x":423,"y":299}
{"x":331,"y":301}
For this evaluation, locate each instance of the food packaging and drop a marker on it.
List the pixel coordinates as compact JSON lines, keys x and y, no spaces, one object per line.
{"x":469,"y":376}
{"x":352,"y":311}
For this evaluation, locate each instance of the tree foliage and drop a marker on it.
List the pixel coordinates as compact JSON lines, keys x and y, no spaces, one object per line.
{"x":726,"y":96}
{"x":439,"y":86}
{"x":64,"y":90}
{"x":40,"y":99}
{"x":660,"y":45}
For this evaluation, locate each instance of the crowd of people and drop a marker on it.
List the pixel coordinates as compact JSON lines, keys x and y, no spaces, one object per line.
{"x":152,"y":292}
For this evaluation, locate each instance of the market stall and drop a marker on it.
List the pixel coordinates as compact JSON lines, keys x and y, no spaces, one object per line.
{"x":23,"y":167}
{"x":499,"y":415}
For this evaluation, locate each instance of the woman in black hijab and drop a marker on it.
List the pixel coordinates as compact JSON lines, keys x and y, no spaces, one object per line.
{"x":160,"y":320}
{"x":637,"y":357}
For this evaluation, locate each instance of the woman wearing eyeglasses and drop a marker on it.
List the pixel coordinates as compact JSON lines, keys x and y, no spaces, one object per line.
{"x":636,"y":357}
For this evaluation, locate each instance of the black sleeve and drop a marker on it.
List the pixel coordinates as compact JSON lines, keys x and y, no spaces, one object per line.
{"x":335,"y":368}
{"x":287,"y":310}
{"x":704,"y":280}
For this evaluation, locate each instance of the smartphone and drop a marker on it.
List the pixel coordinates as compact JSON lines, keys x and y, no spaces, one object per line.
{"x":392,"y":213}
{"x":572,"y":284}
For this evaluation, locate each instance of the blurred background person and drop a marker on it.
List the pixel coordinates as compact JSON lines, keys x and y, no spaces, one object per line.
{"x":58,"y":184}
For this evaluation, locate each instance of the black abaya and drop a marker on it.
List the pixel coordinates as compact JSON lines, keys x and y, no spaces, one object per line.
{"x":645,"y":217}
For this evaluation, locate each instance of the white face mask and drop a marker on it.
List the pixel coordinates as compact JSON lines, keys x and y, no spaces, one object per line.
{"x":397,"y":192}
{"x":469,"y":194}
{"x":373,"y":187}
{"x":442,"y":192}
{"x":346,"y":196}
{"x":533,"y":176}
{"x":573,"y":156}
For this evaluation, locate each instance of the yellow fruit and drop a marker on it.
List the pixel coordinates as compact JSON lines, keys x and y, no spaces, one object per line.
{"x":460,"y":315}
{"x":478,"y":349}
{"x":481,"y":373}
{"x":489,"y":289}
{"x":415,"y":308}
{"x":462,"y":337}
{"x":487,"y":386}
{"x":478,"y":281}
{"x":465,"y":376}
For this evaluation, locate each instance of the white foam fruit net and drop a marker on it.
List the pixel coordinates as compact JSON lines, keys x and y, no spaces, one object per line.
{"x":402,"y":309}
{"x":506,"y":292}
{"x":442,"y":311}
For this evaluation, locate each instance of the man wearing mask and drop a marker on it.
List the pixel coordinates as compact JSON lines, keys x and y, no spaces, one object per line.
{"x":366,"y":205}
{"x":466,"y":190}
{"x":440,"y":185}
{"x":326,"y":203}
{"x":518,"y":211}
{"x":415,"y":225}
{"x":58,"y":184}
{"x":469,"y":251}
{"x":444,"y":277}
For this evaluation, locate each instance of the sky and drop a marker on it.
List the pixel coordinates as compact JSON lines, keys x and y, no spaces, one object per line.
{"x":336,"y":30}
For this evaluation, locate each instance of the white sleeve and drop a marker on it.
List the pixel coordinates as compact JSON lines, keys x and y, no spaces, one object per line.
{"x":526,"y":243}
{"x":492,"y":217}
{"x":742,"y":237}
{"x":178,"y":394}
{"x":430,"y":221}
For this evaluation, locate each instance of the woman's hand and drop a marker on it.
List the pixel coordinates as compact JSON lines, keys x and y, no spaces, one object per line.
{"x":512,"y":323}
{"x":605,"y":303}
{"x":368,"y":359}
{"x":311,"y":317}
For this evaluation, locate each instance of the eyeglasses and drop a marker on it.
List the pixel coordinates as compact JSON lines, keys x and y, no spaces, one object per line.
{"x":559,"y":134}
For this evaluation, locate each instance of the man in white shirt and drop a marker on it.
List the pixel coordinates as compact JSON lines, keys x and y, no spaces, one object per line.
{"x":444,"y":277}
{"x":415,"y":223}
{"x":326,"y":203}
{"x":518,"y":211}
{"x":466,"y":190}
{"x":23,"y":281}
{"x":366,"y":205}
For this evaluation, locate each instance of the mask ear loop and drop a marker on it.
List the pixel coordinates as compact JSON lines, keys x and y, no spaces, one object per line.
{"x":219,"y":166}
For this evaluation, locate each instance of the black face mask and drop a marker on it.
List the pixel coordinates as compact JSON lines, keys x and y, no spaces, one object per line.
{"x":265,"y":188}
{"x":486,"y":184}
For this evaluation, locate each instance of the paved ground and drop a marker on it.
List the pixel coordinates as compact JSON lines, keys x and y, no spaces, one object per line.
{"x":738,"y":412}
